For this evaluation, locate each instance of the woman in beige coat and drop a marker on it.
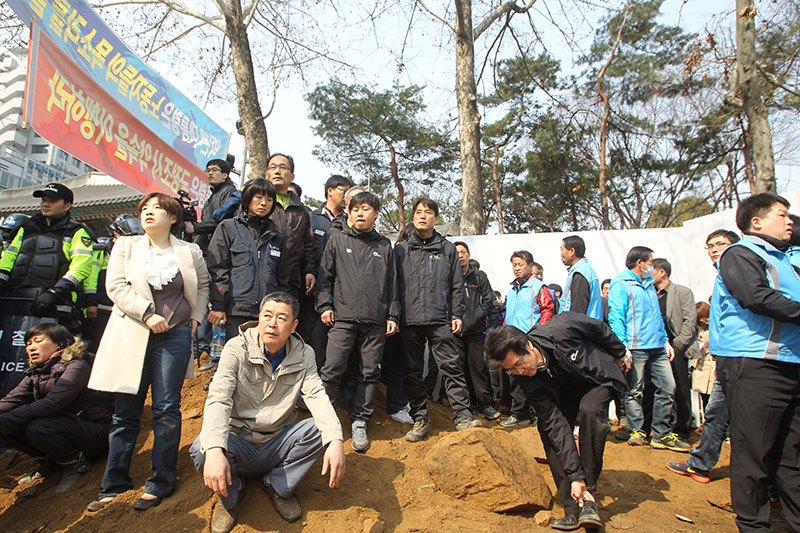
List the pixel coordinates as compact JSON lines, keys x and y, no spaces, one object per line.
{"x":159,"y":286}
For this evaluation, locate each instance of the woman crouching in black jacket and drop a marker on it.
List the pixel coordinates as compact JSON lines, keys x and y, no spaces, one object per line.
{"x":51,"y":415}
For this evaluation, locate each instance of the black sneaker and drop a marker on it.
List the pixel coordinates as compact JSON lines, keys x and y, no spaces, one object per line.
{"x":589,"y":517}
{"x":44,"y":469}
{"x":73,"y":472}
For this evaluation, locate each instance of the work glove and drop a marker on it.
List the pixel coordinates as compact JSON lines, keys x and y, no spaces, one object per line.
{"x":45,"y":305}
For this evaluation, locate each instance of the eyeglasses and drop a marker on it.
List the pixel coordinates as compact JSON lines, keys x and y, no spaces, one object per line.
{"x":517,"y":366}
{"x":718,"y":245}
{"x":281,"y":167}
{"x":209,"y":170}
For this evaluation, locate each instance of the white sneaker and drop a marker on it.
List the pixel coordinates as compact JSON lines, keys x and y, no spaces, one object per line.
{"x":403,"y":415}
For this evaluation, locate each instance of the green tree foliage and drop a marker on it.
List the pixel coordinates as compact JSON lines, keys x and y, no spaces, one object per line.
{"x":381,"y":135}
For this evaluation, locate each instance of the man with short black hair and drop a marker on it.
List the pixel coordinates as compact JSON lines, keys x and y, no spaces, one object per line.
{"x":291,"y":217}
{"x":582,"y":288}
{"x":479,"y":305}
{"x":679,"y":313}
{"x":357,"y":298}
{"x":48,"y":258}
{"x":755,"y":335}
{"x":432,"y":296}
{"x":569,"y":370}
{"x":635,"y":317}
{"x":250,"y":429}
{"x":221,"y":205}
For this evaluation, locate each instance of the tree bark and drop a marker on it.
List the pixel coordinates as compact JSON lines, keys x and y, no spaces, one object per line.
{"x":497,"y":192}
{"x":601,"y":184}
{"x":255,"y":132}
{"x":754,"y":108}
{"x":401,"y":192}
{"x":469,"y":131}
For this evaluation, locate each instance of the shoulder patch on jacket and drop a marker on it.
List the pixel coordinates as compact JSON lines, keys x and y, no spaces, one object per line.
{"x":87,"y":241}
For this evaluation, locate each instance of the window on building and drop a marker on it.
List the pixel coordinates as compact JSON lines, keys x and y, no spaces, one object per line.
{"x":39,"y":149}
{"x":76,"y":162}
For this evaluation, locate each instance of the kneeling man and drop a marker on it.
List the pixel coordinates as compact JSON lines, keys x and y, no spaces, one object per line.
{"x":249,"y":427}
{"x":569,"y":368}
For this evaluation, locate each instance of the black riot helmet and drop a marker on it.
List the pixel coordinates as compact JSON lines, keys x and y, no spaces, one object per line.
{"x":11,"y":224}
{"x":127,"y":224}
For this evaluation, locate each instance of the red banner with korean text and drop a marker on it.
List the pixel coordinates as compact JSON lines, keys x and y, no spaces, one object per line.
{"x":69,"y":109}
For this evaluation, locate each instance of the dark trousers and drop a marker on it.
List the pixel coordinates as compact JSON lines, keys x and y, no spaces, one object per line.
{"x":308,"y":316}
{"x":443,"y":349}
{"x":519,"y":402}
{"x":764,"y":403}
{"x":470,"y":348}
{"x":393,"y":373}
{"x":683,"y":395}
{"x":319,"y":341}
{"x":341,"y":339}
{"x":588,"y":407}
{"x":61,"y":438}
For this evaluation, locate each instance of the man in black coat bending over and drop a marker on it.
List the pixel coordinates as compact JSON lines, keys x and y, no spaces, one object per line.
{"x":570,"y":369}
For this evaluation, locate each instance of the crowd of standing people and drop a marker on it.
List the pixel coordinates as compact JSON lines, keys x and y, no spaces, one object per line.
{"x":317,"y":307}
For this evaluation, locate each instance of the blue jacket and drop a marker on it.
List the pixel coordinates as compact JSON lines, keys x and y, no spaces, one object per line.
{"x":633,"y":312}
{"x":583,"y":267}
{"x":739,"y":332}
{"x":522,"y":305}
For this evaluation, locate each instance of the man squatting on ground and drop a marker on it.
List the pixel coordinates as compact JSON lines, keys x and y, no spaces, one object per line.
{"x":249,"y":426}
{"x":569,"y":369}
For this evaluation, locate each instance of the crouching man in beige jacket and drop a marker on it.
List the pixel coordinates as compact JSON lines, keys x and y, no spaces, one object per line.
{"x":249,"y":427}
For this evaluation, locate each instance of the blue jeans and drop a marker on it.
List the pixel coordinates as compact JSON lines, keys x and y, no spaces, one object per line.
{"x":165,"y":363}
{"x":706,"y":454}
{"x":656,"y":362}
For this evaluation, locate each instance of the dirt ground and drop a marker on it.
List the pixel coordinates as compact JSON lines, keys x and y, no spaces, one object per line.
{"x":386,"y":489}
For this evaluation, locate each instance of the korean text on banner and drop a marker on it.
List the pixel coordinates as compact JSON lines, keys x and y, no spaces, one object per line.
{"x":90,"y":43}
{"x":70,"y":110}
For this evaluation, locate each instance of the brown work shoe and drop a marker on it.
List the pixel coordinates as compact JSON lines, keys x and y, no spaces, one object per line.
{"x":288,"y":508}
{"x":223,"y":520}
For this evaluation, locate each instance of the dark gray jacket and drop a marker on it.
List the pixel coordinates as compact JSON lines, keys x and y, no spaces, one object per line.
{"x":246,"y":260}
{"x":479,"y":302}
{"x":357,"y":278}
{"x":221,"y":205}
{"x":430,"y":280}
{"x":294,"y":223}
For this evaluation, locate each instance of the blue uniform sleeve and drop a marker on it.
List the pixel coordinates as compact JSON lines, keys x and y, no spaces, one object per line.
{"x":618,"y":311}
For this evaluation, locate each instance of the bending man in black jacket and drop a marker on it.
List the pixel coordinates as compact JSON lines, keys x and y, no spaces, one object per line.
{"x":572,"y":369}
{"x":432,"y":296}
{"x":357,"y":298}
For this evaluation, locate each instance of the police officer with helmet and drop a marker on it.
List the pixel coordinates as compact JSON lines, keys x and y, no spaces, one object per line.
{"x":48,"y":258}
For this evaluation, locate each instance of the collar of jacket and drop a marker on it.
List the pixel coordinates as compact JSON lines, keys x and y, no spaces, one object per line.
{"x":254,"y":349}
{"x":415,"y":241}
{"x":777,"y":243}
{"x":262,"y":224}
{"x":517,"y":284}
{"x":219,"y":186}
{"x":371,"y":235}
{"x":45,"y":367}
{"x":40,"y":222}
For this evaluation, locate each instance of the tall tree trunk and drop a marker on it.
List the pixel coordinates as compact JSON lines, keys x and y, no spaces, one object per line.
{"x":401,"y":192}
{"x":255,"y":132}
{"x":754,"y":108}
{"x":497,"y":192}
{"x":604,"y":128}
{"x":469,"y":131}
{"x":747,"y":152}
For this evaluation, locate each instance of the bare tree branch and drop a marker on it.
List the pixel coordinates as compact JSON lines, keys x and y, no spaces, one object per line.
{"x":501,"y":10}
{"x":434,"y":15}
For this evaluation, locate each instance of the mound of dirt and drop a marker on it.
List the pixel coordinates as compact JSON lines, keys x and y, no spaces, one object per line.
{"x":386,"y":489}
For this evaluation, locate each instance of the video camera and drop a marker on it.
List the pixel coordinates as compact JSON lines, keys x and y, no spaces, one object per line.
{"x":188,"y":205}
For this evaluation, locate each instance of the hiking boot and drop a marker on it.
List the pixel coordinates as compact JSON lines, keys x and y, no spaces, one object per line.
{"x":701,"y":476}
{"x":637,"y":438}
{"x":670,"y":442}
{"x":568,"y":523}
{"x":419,"y":431}
{"x":467,"y":423}
{"x":403,"y":415}
{"x":489,"y":413}
{"x":512,"y":422}
{"x":360,"y":441}
{"x":589,"y":517}
{"x":287,"y":508}
{"x":44,"y":469}
{"x":73,"y":472}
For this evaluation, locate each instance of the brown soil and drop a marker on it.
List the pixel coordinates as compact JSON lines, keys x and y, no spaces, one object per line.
{"x":386,"y":489}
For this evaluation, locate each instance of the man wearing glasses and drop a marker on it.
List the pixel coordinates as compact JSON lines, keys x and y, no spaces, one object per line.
{"x":570,"y":369}
{"x":222,"y":203}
